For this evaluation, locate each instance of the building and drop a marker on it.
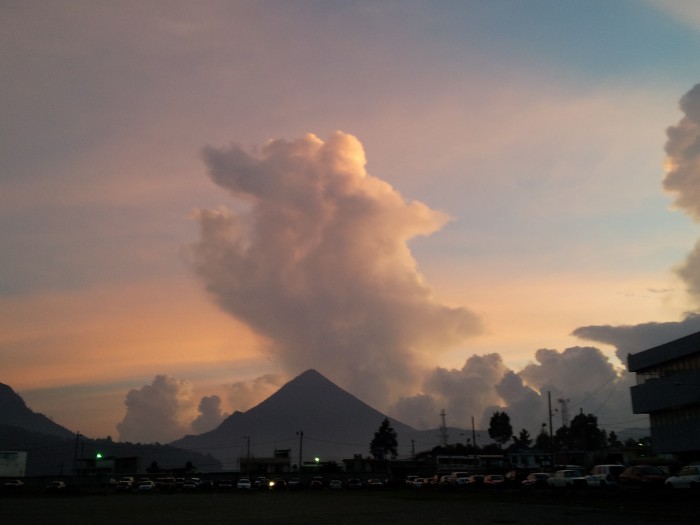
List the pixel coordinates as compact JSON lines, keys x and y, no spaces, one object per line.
{"x":13,"y":464}
{"x":668,"y":389}
{"x":280,"y":463}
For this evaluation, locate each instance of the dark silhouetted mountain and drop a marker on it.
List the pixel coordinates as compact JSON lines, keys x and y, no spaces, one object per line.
{"x":14,"y":412}
{"x":52,"y":449}
{"x":336,"y":425}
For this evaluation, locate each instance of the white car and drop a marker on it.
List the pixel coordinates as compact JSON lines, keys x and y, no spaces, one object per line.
{"x":687,"y":478}
{"x":146,"y":485}
{"x":244,"y":484}
{"x":567,"y":478}
{"x":604,"y":475}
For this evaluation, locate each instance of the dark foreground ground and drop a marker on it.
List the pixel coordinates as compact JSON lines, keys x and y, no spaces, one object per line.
{"x":402,"y":507}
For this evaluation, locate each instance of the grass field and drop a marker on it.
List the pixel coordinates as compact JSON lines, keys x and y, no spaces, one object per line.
{"x":346,"y":507}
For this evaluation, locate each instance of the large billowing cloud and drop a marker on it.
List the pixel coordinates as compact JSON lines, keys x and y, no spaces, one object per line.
{"x":683,"y":177}
{"x":683,"y":155}
{"x":159,"y":412}
{"x":319,"y":263}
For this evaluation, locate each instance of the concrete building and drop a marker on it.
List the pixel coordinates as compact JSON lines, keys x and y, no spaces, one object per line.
{"x":668,"y":389}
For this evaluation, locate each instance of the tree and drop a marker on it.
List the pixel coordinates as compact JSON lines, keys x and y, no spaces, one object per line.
{"x":500,"y":429}
{"x":585,"y":433}
{"x":614,"y":441}
{"x":523,"y":440}
{"x":384,"y":442}
{"x":543,"y":441}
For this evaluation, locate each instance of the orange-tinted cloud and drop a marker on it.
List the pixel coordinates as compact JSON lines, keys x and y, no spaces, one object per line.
{"x":320,"y":264}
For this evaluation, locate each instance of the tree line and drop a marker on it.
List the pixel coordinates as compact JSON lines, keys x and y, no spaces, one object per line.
{"x":582,"y":434}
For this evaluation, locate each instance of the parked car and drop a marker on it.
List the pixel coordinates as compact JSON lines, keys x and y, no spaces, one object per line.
{"x":494,"y":480}
{"x":354,"y":483}
{"x":567,"y":478}
{"x":244,"y":484}
{"x":261,"y":482}
{"x":605,"y":475}
{"x":643,"y":476}
{"x":294,"y":483}
{"x":224,"y":484}
{"x":123,"y":486}
{"x":206,"y":484}
{"x":316,"y":482}
{"x":461,"y":478}
{"x":191,"y":484}
{"x":56,"y":486}
{"x":146,"y":485}
{"x":14,"y":484}
{"x":688,"y":477}
{"x":166,"y":483}
{"x":277,"y":484}
{"x":475,"y":480}
{"x":537,"y":480}
{"x":335,"y":484}
{"x":375,"y":483}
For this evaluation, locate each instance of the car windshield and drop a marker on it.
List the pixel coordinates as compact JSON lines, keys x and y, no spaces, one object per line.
{"x":651,"y":470}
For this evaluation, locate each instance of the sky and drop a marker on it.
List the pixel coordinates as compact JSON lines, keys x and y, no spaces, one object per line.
{"x":446,"y":205}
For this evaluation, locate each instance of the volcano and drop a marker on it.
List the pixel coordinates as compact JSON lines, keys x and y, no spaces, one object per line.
{"x":336,"y":425}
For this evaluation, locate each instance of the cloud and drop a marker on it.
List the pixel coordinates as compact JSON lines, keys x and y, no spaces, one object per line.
{"x":243,"y":395}
{"x":210,"y":414}
{"x":683,"y":177}
{"x":319,"y":263}
{"x":683,"y":155}
{"x":583,"y":375}
{"x":630,"y":339}
{"x":159,"y":412}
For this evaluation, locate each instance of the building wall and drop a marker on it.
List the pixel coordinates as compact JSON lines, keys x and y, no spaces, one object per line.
{"x":676,"y":430}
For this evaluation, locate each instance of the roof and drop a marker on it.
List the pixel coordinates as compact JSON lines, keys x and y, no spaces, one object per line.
{"x":677,"y":349}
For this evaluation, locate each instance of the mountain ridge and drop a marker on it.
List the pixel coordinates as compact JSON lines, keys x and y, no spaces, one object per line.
{"x":15,"y":412}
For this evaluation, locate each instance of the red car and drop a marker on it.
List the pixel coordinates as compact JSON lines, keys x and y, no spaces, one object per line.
{"x":643,"y":476}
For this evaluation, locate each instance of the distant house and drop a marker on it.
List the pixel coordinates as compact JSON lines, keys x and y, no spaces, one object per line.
{"x":668,"y":389}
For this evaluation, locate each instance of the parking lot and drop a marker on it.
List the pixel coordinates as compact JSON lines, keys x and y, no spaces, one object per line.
{"x":393,"y":505}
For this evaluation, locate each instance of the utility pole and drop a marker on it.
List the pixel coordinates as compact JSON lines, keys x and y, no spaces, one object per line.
{"x":474,"y":436}
{"x":443,"y":428}
{"x":75,"y":453}
{"x":549,"y":401}
{"x":301,"y":441}
{"x":247,"y":463}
